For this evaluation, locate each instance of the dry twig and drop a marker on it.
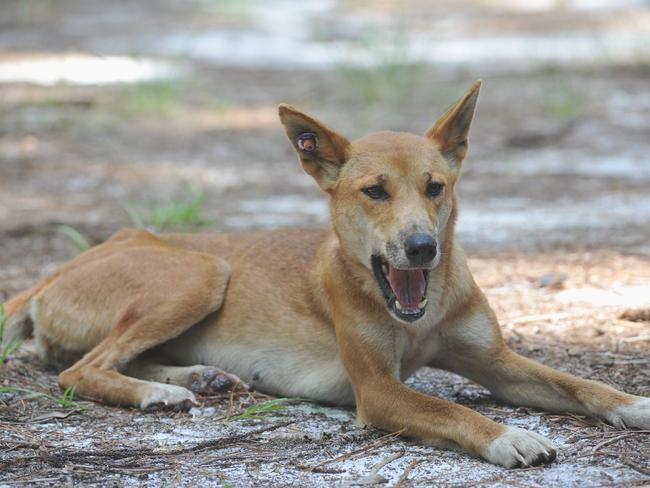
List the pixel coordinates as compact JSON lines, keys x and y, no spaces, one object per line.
{"x":407,"y":472}
{"x":61,"y":457}
{"x":379,"y":442}
{"x":374,"y":477}
{"x":607,"y":442}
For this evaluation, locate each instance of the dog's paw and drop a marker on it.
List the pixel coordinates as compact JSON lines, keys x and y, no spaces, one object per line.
{"x":168,"y":397}
{"x":519,"y":448}
{"x":208,"y":380}
{"x":635,"y":415}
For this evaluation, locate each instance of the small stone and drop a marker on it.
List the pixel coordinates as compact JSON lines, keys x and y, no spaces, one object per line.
{"x":638,"y":315}
{"x":552,"y":280}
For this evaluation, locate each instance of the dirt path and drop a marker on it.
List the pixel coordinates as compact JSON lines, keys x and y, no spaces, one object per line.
{"x":555,"y":209}
{"x":315,"y":445}
{"x":304,"y":444}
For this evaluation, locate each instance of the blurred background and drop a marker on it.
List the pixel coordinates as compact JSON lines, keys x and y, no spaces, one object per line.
{"x":162,"y":114}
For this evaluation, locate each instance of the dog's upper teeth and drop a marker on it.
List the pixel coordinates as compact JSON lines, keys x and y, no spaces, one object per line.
{"x":384,"y":268}
{"x":423,"y":303}
{"x":398,"y":305}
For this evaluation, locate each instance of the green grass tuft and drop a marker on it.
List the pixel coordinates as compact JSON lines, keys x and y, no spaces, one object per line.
{"x":564,"y":103}
{"x":6,"y":349}
{"x":77,"y":238}
{"x":387,"y":82}
{"x":392,"y":72}
{"x":232,"y":10}
{"x":159,"y":97}
{"x":175,"y":213}
{"x":258,"y":409}
{"x":65,"y":400}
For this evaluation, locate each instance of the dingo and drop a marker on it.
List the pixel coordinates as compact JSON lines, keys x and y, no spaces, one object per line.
{"x":341,"y":315}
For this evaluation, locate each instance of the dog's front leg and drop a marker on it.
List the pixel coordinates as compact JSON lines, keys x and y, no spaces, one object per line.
{"x":370,"y":357}
{"x":523,"y":381}
{"x":473,"y":347}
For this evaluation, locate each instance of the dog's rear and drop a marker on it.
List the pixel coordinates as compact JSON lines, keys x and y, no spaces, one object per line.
{"x":19,"y":324}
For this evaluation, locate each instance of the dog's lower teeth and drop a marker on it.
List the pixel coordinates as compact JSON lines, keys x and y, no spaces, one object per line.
{"x":423,"y":303}
{"x":398,"y":305}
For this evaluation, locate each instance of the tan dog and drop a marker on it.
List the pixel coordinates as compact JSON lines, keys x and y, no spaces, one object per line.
{"x":342,"y":315}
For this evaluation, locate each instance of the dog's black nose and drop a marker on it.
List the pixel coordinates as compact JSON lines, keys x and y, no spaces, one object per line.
{"x":420,"y":249}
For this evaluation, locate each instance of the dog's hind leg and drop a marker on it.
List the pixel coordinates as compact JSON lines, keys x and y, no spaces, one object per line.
{"x":198,"y":378}
{"x":110,"y":387}
{"x":130,"y":299}
{"x":95,"y":376}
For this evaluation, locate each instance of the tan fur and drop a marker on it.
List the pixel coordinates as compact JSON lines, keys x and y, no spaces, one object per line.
{"x":300,"y":313}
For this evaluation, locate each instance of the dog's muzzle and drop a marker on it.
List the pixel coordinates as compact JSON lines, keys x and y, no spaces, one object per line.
{"x":404,"y":289}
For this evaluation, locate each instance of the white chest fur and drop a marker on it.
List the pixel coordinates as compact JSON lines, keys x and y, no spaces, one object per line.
{"x":418,"y":349}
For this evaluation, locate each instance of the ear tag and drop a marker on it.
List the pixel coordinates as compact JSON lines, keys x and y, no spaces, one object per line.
{"x":308,"y":142}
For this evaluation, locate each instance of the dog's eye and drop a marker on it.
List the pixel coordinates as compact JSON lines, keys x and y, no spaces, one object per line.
{"x":434,"y":189}
{"x":376,"y":192}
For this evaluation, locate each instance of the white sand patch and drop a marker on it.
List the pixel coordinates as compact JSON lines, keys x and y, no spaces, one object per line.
{"x":501,"y":220}
{"x":629,"y":296}
{"x":81,"y":69}
{"x":282,"y":36}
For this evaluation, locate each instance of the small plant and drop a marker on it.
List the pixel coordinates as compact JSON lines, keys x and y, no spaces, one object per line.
{"x":14,"y":344}
{"x":77,"y":238}
{"x":391,"y":74}
{"x":564,"y":103}
{"x":254,"y":411}
{"x":65,"y":400}
{"x":173,"y":213}
{"x":230,"y":9}
{"x":160,"y":97}
{"x":391,"y":82}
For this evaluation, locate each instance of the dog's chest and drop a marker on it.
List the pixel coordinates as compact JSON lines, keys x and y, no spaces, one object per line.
{"x":420,"y":343}
{"x":418,"y":348}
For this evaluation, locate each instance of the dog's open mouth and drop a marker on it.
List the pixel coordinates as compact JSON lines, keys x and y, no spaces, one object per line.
{"x":404,"y":289}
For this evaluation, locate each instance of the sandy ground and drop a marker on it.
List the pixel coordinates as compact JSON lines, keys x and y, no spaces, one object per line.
{"x":316,"y":445}
{"x":554,"y":217}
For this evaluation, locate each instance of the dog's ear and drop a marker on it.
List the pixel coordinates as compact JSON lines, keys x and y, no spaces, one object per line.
{"x":451,"y":130}
{"x":321,"y":150}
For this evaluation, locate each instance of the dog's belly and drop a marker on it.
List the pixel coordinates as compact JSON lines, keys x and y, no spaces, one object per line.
{"x":285,"y":371}
{"x":290,"y":356}
{"x":281,"y":361}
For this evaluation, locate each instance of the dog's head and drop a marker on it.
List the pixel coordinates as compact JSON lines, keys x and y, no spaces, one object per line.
{"x":392,"y":195}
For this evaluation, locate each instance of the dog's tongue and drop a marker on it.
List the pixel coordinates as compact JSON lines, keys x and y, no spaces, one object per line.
{"x":408,"y":286}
